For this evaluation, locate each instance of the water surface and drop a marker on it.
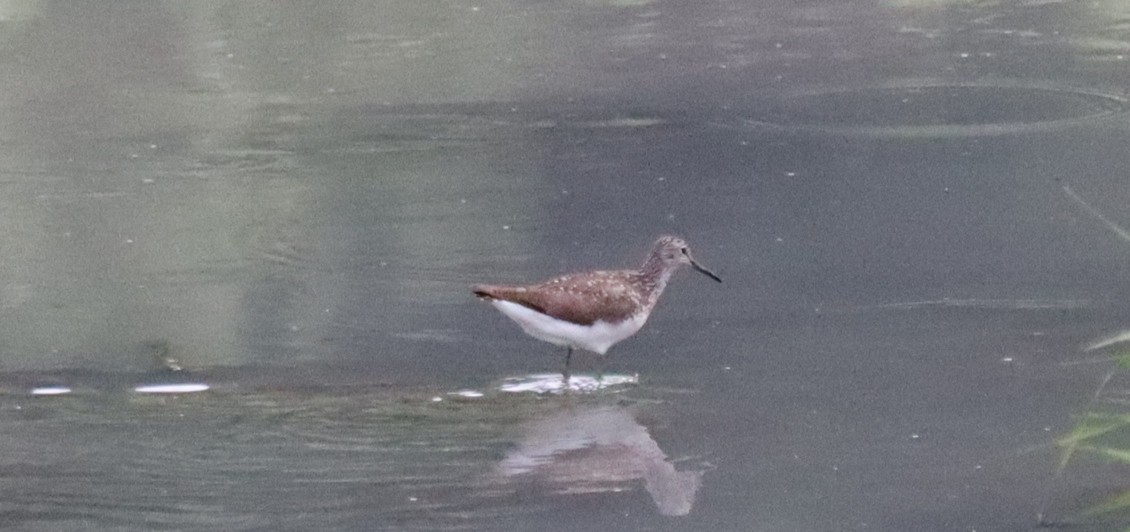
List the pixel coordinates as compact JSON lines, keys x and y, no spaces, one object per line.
{"x":286,"y":204}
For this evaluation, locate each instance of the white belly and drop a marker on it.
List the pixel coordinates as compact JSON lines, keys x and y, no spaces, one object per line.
{"x":597,"y":337}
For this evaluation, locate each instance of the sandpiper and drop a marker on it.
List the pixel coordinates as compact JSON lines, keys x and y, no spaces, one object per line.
{"x":592,"y":310}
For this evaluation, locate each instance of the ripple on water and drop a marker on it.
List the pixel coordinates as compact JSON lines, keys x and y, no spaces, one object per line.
{"x":932,"y":110}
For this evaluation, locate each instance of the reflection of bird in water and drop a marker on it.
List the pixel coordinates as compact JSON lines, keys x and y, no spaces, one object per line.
{"x":598,"y":449}
{"x":592,"y":310}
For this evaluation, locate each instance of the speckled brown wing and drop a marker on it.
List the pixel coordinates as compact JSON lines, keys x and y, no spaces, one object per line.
{"x":580,"y":298}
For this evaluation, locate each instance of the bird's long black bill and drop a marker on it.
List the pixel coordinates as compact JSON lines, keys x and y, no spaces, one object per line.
{"x":698,"y":267}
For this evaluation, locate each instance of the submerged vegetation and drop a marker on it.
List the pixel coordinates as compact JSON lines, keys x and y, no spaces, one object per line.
{"x":1103,"y":430}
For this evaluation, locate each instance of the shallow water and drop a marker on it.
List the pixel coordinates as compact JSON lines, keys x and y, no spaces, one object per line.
{"x":916,"y":208}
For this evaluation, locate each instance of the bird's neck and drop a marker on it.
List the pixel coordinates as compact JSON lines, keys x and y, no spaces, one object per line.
{"x":654,"y":275}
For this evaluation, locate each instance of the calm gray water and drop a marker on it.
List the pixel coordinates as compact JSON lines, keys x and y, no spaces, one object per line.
{"x":915,"y":206}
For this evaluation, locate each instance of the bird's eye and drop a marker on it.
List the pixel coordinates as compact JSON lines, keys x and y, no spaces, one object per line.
{"x":684,"y":250}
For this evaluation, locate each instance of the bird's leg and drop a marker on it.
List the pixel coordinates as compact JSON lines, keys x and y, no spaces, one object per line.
{"x":565,"y":372}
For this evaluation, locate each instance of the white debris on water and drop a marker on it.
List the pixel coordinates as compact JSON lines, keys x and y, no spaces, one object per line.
{"x":187,"y":387}
{"x":553,"y":383}
{"x":466,"y":393}
{"x":51,"y":390}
